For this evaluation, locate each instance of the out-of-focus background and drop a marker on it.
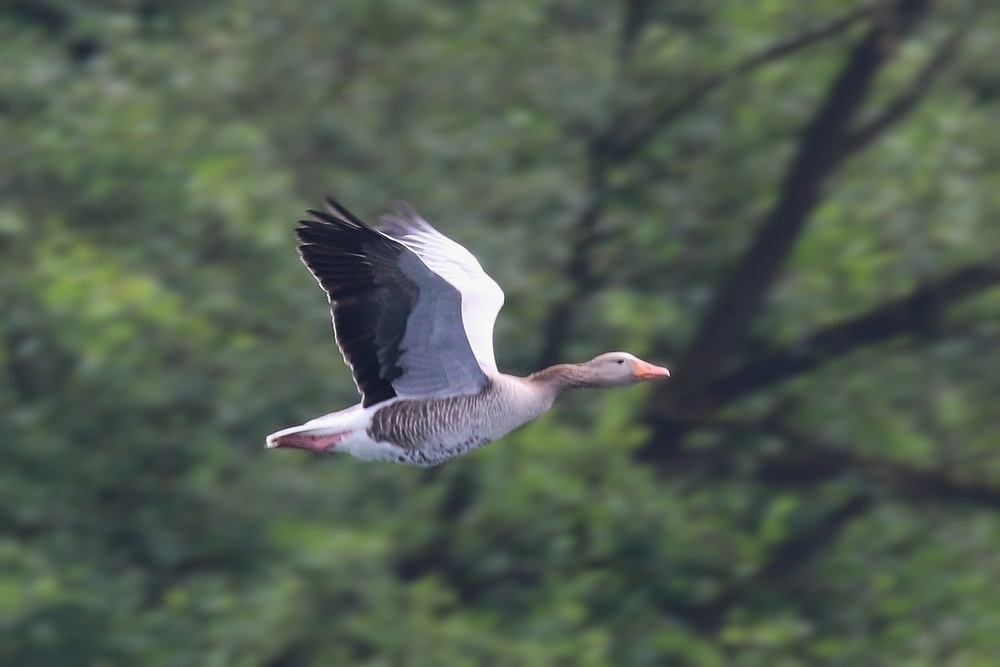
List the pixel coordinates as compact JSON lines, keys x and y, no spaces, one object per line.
{"x":794,"y":205}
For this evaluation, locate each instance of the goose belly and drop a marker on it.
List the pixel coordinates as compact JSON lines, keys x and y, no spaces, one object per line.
{"x":425,"y":432}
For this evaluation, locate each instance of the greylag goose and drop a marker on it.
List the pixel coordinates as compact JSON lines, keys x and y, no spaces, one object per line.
{"x":413,"y":314}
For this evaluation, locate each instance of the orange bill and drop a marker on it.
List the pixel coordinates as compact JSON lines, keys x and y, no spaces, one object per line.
{"x":647,"y":371}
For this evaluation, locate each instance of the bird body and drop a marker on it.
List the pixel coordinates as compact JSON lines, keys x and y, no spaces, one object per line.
{"x":413,"y":314}
{"x":422,"y":431}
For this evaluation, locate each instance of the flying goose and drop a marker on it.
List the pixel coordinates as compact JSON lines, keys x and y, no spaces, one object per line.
{"x":413,"y":314}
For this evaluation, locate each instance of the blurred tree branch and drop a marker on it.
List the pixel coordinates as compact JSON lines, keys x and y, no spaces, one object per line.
{"x":578,"y":268}
{"x":607,"y":148}
{"x":809,"y":459}
{"x":826,"y":141}
{"x":910,"y":314}
{"x":635,"y":16}
{"x":786,"y":557}
{"x":816,"y":458}
{"x":727,"y":321}
{"x":617,"y":145}
{"x":914,"y":93}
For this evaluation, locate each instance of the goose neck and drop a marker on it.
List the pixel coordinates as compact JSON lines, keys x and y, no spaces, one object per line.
{"x":561,"y":377}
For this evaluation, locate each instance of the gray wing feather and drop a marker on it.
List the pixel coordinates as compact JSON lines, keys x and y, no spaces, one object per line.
{"x":435,"y":354}
{"x":482,"y":298}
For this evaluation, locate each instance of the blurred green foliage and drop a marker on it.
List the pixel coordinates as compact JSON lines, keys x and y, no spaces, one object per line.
{"x":156,"y":325}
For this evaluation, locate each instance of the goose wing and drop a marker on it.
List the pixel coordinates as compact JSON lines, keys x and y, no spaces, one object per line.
{"x":398,"y":323}
{"x":482,"y":298}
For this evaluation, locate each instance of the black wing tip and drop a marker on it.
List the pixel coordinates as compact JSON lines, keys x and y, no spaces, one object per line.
{"x":335,"y":214}
{"x":330,"y":226}
{"x":338,"y":227}
{"x":338,"y":210}
{"x":317,"y":216}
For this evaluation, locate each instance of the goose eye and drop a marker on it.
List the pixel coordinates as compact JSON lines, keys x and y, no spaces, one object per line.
{"x":621,"y":361}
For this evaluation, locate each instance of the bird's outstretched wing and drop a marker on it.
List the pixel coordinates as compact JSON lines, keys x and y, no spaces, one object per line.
{"x":398,"y":321}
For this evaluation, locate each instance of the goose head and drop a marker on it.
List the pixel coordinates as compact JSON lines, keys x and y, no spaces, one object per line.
{"x":617,"y":369}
